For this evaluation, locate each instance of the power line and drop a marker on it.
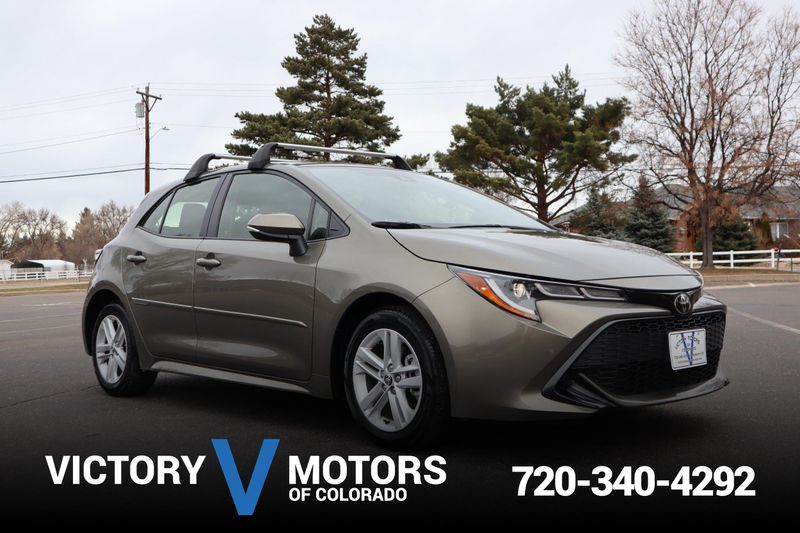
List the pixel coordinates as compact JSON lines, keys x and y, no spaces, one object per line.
{"x":101,"y":104}
{"x":108,"y":130}
{"x":259,"y":87}
{"x":222,"y":95}
{"x":178,"y":125}
{"x":388,"y":92}
{"x":610,"y":74}
{"x":45,"y":173}
{"x":63,"y":99}
{"x":66,"y":142}
{"x":87,"y":174}
{"x":106,"y":167}
{"x":395,"y":91}
{"x":592,"y":77}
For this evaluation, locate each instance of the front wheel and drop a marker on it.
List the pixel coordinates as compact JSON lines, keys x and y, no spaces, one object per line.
{"x":395,"y":380}
{"x":115,"y":359}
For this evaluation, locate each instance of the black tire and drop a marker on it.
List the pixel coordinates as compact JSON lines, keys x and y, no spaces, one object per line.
{"x":133,"y":381}
{"x":429,"y":425}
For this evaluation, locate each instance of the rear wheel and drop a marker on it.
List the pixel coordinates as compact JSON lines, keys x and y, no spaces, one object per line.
{"x":115,"y":360}
{"x":395,"y":380}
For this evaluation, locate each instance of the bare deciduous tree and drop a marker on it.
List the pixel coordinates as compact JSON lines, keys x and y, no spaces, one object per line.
{"x":94,"y":230}
{"x":10,"y":227}
{"x":41,"y":230}
{"x":716,"y":90}
{"x":110,"y":219}
{"x":27,"y":233}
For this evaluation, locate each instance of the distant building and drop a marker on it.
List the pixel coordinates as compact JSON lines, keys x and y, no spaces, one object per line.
{"x":5,"y":268}
{"x":46,"y":265}
{"x":774,"y":218}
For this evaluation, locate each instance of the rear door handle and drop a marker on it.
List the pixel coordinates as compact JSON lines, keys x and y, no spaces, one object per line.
{"x":136,"y":258}
{"x":208,"y":262}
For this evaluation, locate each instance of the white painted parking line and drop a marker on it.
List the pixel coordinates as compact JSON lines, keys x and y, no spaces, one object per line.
{"x":73,"y":326}
{"x":34,"y":318}
{"x":765,"y":321}
{"x":749,"y":285}
{"x":56,"y":304}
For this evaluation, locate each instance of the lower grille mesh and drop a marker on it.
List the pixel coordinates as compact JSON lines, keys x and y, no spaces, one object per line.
{"x":632,"y":357}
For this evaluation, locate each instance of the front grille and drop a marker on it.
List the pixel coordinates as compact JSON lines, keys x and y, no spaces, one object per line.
{"x":631,"y":357}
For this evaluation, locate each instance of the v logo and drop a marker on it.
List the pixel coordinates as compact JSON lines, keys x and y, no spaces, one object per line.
{"x":245,"y":500}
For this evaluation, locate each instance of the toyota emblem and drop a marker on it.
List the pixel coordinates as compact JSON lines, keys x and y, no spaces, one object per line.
{"x":683,"y":304}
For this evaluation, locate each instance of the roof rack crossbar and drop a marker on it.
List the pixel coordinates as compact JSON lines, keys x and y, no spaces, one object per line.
{"x":264,"y":154}
{"x":201,"y":165}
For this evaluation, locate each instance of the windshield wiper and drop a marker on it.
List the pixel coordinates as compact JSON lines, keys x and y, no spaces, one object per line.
{"x":398,"y":225}
{"x":465,"y":226}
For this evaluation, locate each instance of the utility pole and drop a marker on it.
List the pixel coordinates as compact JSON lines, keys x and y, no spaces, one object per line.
{"x":147,"y":107}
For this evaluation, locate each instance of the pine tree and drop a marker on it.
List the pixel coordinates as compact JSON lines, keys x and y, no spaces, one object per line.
{"x":647,"y":223}
{"x":601,"y":220}
{"x":539,"y":147}
{"x":418,"y":161}
{"x":331,"y":104}
{"x":734,"y":235}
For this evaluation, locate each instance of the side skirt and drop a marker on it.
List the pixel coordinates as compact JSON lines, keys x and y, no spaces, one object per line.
{"x":224,"y":375}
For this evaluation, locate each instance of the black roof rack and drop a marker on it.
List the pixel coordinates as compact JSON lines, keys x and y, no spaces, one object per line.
{"x":262,"y":157}
{"x":200,"y":166}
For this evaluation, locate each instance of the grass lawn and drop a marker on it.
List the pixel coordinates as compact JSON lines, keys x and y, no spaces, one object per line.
{"x":739,"y":271}
{"x":9,"y":289}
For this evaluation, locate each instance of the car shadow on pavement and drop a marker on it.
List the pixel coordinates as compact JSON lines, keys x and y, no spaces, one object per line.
{"x":303,"y":418}
{"x":611,"y":431}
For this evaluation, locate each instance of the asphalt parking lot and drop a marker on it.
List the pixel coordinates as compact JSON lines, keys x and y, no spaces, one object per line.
{"x":50,"y":404}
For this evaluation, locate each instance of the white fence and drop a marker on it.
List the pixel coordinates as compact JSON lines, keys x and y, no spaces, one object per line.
{"x":25,"y":274}
{"x":728,"y":259}
{"x":733,"y":259}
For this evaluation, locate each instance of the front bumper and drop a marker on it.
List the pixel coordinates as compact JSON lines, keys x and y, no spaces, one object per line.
{"x":508,"y":368}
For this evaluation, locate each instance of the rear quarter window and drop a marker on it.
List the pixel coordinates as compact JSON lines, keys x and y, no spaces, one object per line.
{"x":187,"y":210}
{"x":152,"y":222}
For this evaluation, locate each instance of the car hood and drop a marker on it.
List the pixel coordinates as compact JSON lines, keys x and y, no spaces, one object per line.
{"x":546,"y":254}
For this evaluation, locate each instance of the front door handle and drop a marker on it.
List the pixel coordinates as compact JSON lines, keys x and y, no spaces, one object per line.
{"x":136,"y":258}
{"x":208,"y":262}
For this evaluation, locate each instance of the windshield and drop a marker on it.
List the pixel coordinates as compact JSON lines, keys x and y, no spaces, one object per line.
{"x":389,"y":195}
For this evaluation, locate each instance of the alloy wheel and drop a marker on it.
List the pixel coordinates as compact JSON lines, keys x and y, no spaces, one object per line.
{"x":111,"y":349}
{"x":387,"y":380}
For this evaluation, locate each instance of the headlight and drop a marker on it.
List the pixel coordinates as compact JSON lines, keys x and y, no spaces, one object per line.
{"x":519,"y":295}
{"x":702,"y":281}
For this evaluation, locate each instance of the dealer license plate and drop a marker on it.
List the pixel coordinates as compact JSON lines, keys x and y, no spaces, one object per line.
{"x":687,"y":349}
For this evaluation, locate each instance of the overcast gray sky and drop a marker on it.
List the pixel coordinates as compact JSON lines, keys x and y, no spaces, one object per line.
{"x":70,"y":69}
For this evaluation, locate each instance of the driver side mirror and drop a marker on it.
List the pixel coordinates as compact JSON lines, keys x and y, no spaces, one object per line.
{"x":280,"y":227}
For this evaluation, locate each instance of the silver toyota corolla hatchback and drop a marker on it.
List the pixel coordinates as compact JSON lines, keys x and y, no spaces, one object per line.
{"x":414,"y":298}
